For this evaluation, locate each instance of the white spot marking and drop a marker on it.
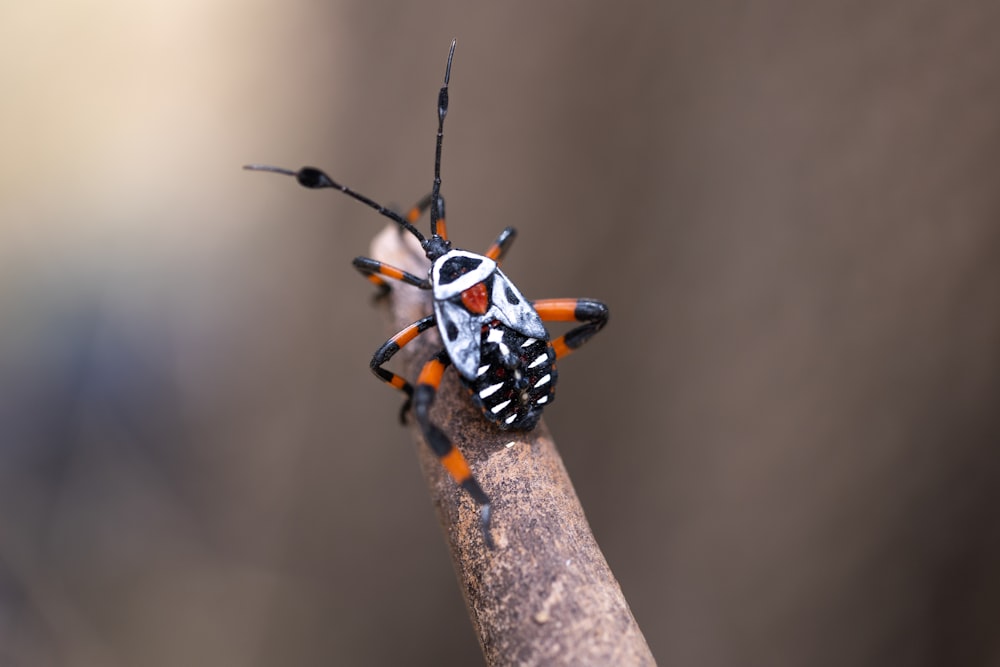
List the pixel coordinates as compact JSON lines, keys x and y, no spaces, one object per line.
{"x":496,"y":409}
{"x":482,"y":369}
{"x":510,"y":444}
{"x":543,"y":399}
{"x":510,"y":420}
{"x":489,"y":391}
{"x":539,"y":360}
{"x":544,"y":380}
{"x":530,"y":341}
{"x":496,"y":336}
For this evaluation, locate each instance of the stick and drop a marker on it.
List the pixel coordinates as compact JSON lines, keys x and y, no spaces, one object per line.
{"x":545,"y":595}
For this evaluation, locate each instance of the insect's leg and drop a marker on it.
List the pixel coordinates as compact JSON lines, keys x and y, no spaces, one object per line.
{"x":421,"y":206}
{"x":376,"y":272}
{"x":501,"y":245}
{"x":391,"y":347}
{"x":593,"y":314}
{"x":417,"y":210}
{"x":451,"y":458}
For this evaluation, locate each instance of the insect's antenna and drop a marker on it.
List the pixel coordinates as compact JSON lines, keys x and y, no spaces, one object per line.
{"x":315,"y":179}
{"x":442,"y":112}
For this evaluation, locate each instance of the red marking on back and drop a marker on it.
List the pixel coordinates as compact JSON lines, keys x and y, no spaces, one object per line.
{"x":475,"y":299}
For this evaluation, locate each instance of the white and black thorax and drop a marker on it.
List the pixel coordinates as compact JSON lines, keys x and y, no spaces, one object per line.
{"x":494,"y":338}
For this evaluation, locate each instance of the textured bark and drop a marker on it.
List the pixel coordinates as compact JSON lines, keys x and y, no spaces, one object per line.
{"x":545,"y":595}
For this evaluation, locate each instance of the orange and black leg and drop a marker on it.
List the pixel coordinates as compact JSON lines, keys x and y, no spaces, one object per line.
{"x":391,"y":347}
{"x":417,"y":210}
{"x":421,"y":206}
{"x":376,"y":272}
{"x":593,"y":314}
{"x":451,"y":458}
{"x":500,"y":246}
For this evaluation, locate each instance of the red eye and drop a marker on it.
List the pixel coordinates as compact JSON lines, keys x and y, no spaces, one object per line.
{"x":475,"y":299}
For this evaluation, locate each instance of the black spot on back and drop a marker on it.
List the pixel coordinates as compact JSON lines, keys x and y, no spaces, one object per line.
{"x":451,"y":330}
{"x":511,"y":297}
{"x":456,"y":266}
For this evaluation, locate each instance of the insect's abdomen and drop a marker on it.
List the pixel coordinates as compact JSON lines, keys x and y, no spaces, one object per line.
{"x":516,"y":377}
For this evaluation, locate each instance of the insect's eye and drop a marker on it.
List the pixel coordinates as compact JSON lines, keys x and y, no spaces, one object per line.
{"x":456,"y":266}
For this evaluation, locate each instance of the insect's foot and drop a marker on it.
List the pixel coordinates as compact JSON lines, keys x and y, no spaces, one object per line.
{"x":405,"y":410}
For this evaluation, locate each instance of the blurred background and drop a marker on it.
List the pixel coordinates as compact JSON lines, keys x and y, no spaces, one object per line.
{"x":786,"y":439}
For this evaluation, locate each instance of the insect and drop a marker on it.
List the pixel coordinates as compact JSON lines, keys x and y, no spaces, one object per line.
{"x":493,"y":336}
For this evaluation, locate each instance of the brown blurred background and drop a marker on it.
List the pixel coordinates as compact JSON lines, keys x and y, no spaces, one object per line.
{"x":786,"y":439}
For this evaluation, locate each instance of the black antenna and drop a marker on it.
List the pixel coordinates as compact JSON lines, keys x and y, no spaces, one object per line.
{"x":436,"y":203}
{"x":315,"y":179}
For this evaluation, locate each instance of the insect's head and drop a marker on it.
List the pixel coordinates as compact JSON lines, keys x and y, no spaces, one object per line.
{"x":437,"y":245}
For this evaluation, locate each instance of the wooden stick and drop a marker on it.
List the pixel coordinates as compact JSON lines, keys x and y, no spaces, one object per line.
{"x":545,"y":595}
